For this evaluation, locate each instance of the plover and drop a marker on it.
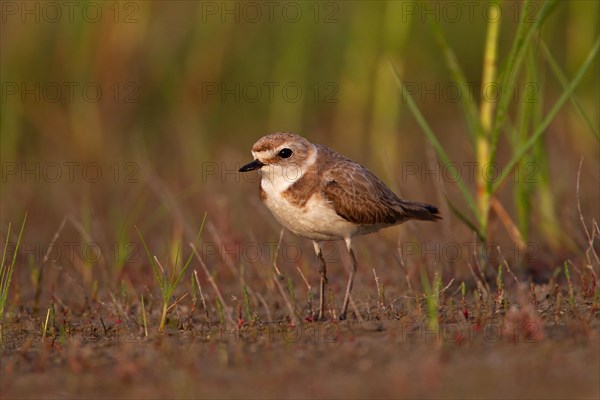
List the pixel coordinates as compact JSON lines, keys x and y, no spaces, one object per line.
{"x":321,"y":195}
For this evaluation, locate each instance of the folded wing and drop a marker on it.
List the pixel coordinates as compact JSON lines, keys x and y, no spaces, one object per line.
{"x":358,"y":196}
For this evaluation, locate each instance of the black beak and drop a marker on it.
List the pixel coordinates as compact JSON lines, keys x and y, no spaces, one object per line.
{"x":256,"y":164}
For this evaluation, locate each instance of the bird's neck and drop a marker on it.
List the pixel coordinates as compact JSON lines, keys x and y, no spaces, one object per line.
{"x":278,"y":178}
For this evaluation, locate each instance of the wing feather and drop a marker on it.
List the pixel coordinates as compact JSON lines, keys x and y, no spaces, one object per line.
{"x":359,"y":196}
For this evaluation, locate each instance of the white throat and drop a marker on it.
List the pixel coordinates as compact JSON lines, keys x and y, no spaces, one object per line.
{"x":276,"y":179}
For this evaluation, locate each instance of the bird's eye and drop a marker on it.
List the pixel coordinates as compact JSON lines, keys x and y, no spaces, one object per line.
{"x":285,"y":153}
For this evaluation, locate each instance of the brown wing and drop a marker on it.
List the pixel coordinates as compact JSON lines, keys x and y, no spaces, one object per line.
{"x":359,"y":196}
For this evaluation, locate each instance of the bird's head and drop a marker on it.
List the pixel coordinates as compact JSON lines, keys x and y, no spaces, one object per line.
{"x":281,"y":156}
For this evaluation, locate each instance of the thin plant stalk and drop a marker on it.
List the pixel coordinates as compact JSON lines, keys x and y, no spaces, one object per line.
{"x":144,"y":320}
{"x":166,"y":283}
{"x":6,"y":272}
{"x":483,"y":139}
{"x":561,"y":77}
{"x":542,"y":127}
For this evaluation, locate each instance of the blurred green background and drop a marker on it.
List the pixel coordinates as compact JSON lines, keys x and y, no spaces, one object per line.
{"x":164,"y":100}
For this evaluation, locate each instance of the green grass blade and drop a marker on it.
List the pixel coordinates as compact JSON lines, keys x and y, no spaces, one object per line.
{"x":527,"y":118}
{"x":157,"y":274}
{"x":465,"y":220}
{"x":468,"y":107}
{"x":486,"y":109}
{"x":544,"y":125}
{"x":189,"y":260}
{"x":177,"y":252}
{"x":513,"y":67}
{"x":433,"y":140}
{"x":8,"y":271}
{"x":12,"y":264}
{"x":4,"y":274}
{"x":505,"y":75}
{"x":486,"y":116}
{"x":6,"y":246}
{"x":430,"y":290}
{"x":3,"y":267}
{"x":563,"y":81}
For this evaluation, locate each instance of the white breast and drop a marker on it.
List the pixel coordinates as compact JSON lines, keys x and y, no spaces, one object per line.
{"x":316,"y":220}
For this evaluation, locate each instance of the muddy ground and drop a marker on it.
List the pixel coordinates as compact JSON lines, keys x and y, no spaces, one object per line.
{"x":480,"y":349}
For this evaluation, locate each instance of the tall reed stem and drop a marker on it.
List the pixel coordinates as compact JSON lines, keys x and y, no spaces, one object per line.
{"x":486,"y":117}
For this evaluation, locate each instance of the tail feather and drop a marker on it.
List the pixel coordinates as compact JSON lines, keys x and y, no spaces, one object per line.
{"x":420,"y":211}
